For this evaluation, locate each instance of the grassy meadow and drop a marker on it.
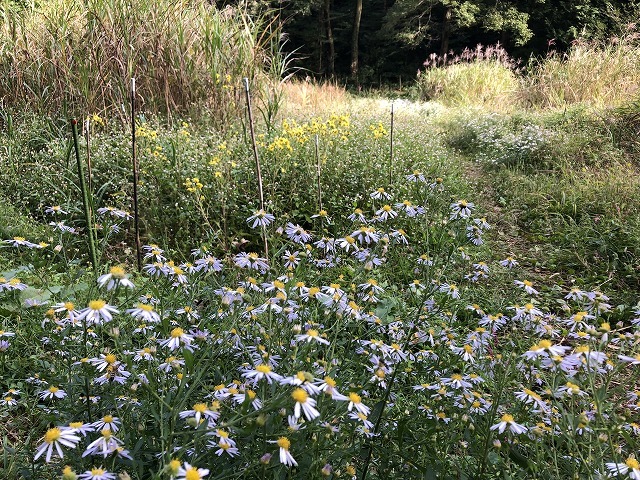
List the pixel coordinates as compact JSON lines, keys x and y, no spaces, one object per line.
{"x":443,"y":285}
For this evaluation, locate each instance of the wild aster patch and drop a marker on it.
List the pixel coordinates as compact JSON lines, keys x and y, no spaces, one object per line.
{"x":351,"y":346}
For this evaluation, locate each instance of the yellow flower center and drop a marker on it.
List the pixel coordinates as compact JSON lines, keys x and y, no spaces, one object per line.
{"x":110,"y":359}
{"x":97,"y":304}
{"x":117,"y":272}
{"x":145,"y":307}
{"x":299,"y":395}
{"x":174,"y":465}
{"x":355,"y":398}
{"x":69,"y":306}
{"x":53,"y":389}
{"x":632,"y":463}
{"x":283,"y":442}
{"x":312,"y":333}
{"x":262,"y":368}
{"x":507,"y":418}
{"x":97,"y":471}
{"x":330,"y":381}
{"x":107,"y":419}
{"x":52,"y":435}
{"x":192,"y":474}
{"x":177,"y":332}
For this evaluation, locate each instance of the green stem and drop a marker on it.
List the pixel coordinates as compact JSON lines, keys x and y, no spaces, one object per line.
{"x":85,"y":198}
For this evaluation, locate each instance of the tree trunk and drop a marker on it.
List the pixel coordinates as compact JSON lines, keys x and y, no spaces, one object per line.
{"x":354,"y":40}
{"x":446,"y":31}
{"x":329,"y":33}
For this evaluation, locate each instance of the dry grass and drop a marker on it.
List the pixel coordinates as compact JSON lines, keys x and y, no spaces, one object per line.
{"x":593,"y":74}
{"x":308,"y":96}
{"x":77,"y":57}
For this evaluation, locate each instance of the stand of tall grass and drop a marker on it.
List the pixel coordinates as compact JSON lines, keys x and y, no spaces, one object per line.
{"x":484,"y":77}
{"x":592,"y":73}
{"x":77,"y":57}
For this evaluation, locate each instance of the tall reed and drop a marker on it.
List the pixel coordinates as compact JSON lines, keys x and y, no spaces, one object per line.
{"x":79,"y":56}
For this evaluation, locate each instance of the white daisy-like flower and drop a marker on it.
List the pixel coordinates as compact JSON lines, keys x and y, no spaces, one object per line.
{"x":506,"y":421}
{"x":55,"y":209}
{"x":51,"y":393}
{"x":304,"y":403}
{"x":114,"y":212}
{"x":105,"y":445}
{"x":355,"y":401}
{"x":116,"y":277}
{"x":296,"y":233}
{"x":630,"y":468}
{"x":285,"y":456}
{"x":310,"y":336}
{"x":357,"y":216}
{"x":527,"y":285}
{"x":509,"y":262}
{"x":251,"y":261}
{"x":380,"y":194}
{"x":177,"y":338}
{"x":262,"y":371}
{"x":201,"y":411}
{"x":97,"y":312}
{"x":260,"y":219}
{"x":144,"y":312}
{"x":109,"y":422}
{"x":461,"y":209}
{"x":97,"y":473}
{"x":54,"y":440}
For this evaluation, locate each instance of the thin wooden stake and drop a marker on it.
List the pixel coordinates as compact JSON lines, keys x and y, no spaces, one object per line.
{"x":391,"y":149}
{"x":87,"y":125}
{"x":255,"y":156}
{"x":318,"y":171}
{"x":134,"y":159}
{"x":85,"y":198}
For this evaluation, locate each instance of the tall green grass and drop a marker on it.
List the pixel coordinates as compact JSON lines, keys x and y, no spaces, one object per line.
{"x":78,"y":56}
{"x":484,"y":77}
{"x":597,"y":74}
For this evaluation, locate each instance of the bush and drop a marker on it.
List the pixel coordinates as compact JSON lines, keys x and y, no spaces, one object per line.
{"x":483,"y":77}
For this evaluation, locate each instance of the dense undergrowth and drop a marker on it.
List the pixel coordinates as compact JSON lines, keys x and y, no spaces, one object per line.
{"x":464,"y":309}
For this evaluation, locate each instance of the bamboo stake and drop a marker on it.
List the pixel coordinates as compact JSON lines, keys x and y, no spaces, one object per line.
{"x":136,"y":218}
{"x":391,"y":149}
{"x":255,"y":156}
{"x":87,"y":125}
{"x":318,"y":171}
{"x":85,"y":198}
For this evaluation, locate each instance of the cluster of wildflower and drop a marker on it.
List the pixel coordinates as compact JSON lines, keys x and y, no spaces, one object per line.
{"x":243,"y":342}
